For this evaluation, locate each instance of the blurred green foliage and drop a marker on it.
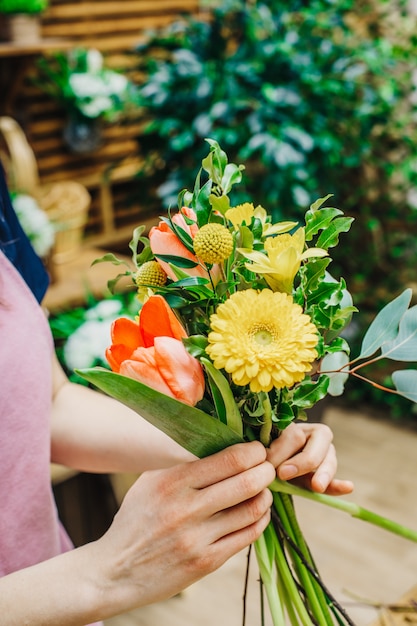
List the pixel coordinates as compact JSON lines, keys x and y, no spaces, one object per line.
{"x":314,"y":98}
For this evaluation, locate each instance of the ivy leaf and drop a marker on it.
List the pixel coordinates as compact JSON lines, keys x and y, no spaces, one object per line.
{"x":405,"y":382}
{"x":404,"y":346}
{"x":385,"y":325}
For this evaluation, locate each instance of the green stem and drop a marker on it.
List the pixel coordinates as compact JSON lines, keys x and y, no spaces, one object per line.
{"x":314,"y":593}
{"x":265,"y":433}
{"x":348,"y":507}
{"x":266,"y":570}
{"x":268,"y":549}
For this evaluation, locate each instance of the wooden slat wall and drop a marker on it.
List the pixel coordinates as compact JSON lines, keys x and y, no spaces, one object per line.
{"x":114,"y":28}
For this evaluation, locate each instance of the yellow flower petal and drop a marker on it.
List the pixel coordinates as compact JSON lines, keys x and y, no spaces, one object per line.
{"x":263,"y":339}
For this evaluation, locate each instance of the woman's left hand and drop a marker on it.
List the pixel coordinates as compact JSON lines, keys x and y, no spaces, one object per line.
{"x":305,"y":453}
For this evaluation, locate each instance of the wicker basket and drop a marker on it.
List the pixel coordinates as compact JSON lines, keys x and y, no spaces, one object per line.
{"x":66,"y":202}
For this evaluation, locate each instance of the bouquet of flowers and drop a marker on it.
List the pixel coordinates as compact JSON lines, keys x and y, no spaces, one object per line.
{"x":240,"y":332}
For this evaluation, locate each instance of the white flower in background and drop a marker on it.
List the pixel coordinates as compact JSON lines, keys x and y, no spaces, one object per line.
{"x":87,"y":345}
{"x":94,"y":61}
{"x":35,"y":223}
{"x":96,"y":92}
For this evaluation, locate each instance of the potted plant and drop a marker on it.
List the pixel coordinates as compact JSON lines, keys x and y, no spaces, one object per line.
{"x":88,"y":91}
{"x":21,"y":20}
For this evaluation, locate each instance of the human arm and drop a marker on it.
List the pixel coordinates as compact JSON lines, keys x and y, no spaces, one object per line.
{"x":93,"y":432}
{"x":175,"y":526}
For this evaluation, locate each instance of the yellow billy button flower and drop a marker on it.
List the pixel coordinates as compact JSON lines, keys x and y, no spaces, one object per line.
{"x":150,"y":273}
{"x":263,"y":339}
{"x":213,"y":243}
{"x":281,"y":260}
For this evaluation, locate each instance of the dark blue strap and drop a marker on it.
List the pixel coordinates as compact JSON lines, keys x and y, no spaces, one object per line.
{"x":17,"y":247}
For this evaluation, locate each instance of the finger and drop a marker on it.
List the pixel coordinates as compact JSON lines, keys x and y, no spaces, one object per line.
{"x":222,"y":465}
{"x":240,"y":516}
{"x":318,"y":452}
{"x":229,"y":545}
{"x":235,"y":489}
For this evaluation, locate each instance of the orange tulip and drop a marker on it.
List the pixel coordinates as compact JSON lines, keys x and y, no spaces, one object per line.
{"x":164,"y":241}
{"x":152,"y":352}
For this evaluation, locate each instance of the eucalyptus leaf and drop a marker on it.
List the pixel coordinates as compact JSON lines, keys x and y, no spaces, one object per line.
{"x":405,"y":382}
{"x":334,"y":366}
{"x":404,"y":346}
{"x":384,"y":327}
{"x":194,"y":430}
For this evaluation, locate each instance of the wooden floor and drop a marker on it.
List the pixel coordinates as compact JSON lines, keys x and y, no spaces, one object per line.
{"x":362,"y":565}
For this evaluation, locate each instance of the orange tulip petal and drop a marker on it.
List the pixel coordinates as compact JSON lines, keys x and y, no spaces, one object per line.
{"x":163,"y":241}
{"x":157,"y":319}
{"x":116,"y":354}
{"x":125,"y":331}
{"x":143,"y":368}
{"x":182,"y":372}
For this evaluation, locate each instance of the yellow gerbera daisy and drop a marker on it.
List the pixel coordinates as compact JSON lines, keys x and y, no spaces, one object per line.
{"x":263,"y":339}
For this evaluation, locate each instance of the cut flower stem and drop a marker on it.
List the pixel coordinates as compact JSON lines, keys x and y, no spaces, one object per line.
{"x":353,"y":509}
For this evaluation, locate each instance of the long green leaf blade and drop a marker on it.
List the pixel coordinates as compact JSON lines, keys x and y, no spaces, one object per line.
{"x":194,"y":430}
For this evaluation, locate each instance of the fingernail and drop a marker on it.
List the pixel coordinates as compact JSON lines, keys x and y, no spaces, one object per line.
{"x":287,"y":471}
{"x":323,"y":481}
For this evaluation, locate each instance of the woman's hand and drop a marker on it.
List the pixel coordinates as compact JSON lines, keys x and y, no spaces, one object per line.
{"x":177,"y":525}
{"x":305,"y":452}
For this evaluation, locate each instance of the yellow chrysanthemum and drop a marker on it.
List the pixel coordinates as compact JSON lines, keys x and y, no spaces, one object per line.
{"x":213,"y":243}
{"x":263,"y":339}
{"x":282,"y":260}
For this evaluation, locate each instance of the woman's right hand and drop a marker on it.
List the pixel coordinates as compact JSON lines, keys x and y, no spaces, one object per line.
{"x":177,"y":525}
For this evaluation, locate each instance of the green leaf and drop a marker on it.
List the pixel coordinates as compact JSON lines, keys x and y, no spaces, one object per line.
{"x":194,"y":430}
{"x":220,"y":203}
{"x":110,"y":258}
{"x":233,"y":417}
{"x":405,"y":382}
{"x":309,"y":392}
{"x":232,"y":175}
{"x":404,"y":346}
{"x":385,"y":325}
{"x":334,"y":366}
{"x":319,"y":220}
{"x":178,"y":261}
{"x":330,"y":237}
